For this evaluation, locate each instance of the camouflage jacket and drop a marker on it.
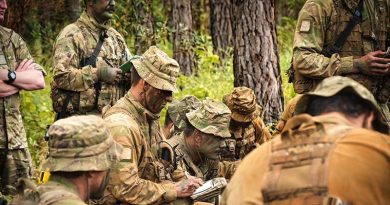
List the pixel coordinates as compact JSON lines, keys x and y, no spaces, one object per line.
{"x":13,"y":51}
{"x":76,"y":42}
{"x":207,"y":169}
{"x":319,"y":24}
{"x":315,"y":157}
{"x":57,"y":191}
{"x":140,"y":178}
{"x":248,"y":138}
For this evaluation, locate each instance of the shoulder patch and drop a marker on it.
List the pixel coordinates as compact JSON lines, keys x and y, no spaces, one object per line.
{"x":126,"y":155}
{"x":305,"y":26}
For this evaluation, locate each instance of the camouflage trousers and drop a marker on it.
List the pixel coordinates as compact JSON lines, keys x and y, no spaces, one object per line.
{"x":14,"y":164}
{"x":385,"y":112}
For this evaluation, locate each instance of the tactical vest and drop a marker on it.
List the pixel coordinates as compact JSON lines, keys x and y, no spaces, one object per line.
{"x":108,"y":94}
{"x":363,"y":39}
{"x":149,"y":166}
{"x":297,"y":170}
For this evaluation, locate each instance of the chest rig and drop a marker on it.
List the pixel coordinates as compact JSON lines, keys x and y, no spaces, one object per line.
{"x":149,"y":166}
{"x":298,"y":165}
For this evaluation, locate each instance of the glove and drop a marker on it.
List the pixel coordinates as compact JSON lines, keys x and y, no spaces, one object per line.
{"x":108,"y":74}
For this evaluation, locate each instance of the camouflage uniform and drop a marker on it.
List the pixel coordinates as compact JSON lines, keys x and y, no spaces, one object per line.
{"x":319,"y":24}
{"x":76,"y":42}
{"x":141,"y":179}
{"x":78,"y":143}
{"x":287,"y":113}
{"x":177,"y":112}
{"x":317,"y":160}
{"x":248,"y":130}
{"x":15,"y":159}
{"x":211,"y":118}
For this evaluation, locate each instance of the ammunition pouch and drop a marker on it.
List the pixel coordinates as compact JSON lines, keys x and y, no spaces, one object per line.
{"x":155,"y":171}
{"x":228,"y":149}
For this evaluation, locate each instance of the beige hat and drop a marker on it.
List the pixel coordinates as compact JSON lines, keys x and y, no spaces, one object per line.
{"x":242,"y":103}
{"x":157,"y":69}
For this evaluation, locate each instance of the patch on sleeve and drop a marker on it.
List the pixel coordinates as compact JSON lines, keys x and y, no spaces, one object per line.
{"x":126,"y":155}
{"x":305,"y":26}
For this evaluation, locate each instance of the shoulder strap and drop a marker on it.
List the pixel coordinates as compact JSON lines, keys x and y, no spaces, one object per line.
{"x":342,"y":37}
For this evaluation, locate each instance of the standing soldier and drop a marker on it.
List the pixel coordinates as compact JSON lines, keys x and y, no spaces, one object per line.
{"x":18,"y":72}
{"x":81,"y":152}
{"x":175,"y":119}
{"x":347,"y":38}
{"x":134,"y":123}
{"x":326,"y":154}
{"x":87,"y":57}
{"x":246,"y":126}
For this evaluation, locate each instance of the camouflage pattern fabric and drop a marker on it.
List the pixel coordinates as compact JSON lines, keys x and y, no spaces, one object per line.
{"x":157,"y":69}
{"x":287,"y":113}
{"x":333,"y":85}
{"x":247,"y":128}
{"x":348,"y":171}
{"x":177,"y":110}
{"x":140,"y":178}
{"x":57,"y":191}
{"x":81,"y":143}
{"x":12,"y":134}
{"x":242,"y":103}
{"x":75,"y":43}
{"x":206,"y":169}
{"x":319,"y":23}
{"x":212,"y":118}
{"x":17,"y":165}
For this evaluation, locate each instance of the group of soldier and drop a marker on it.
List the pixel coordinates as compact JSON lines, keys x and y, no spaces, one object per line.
{"x":107,"y":146}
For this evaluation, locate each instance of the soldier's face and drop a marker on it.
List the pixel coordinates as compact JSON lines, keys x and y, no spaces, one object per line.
{"x":210,"y":146}
{"x":103,"y":10}
{"x":155,"y":99}
{"x":3,"y":8}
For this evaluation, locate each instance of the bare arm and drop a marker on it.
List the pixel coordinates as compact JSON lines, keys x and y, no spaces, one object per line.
{"x":7,"y":90}
{"x":27,"y":76}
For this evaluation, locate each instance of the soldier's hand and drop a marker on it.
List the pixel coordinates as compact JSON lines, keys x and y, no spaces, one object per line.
{"x":373,"y":64}
{"x":186,"y":187}
{"x":26,"y":65}
{"x":109,"y":74}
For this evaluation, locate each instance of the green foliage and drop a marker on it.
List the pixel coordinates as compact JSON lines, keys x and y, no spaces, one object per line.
{"x":285,"y":43}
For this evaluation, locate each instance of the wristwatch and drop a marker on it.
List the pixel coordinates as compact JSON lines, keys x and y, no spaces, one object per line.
{"x":11,"y":77}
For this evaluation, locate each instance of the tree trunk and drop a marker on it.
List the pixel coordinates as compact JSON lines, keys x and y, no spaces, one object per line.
{"x":196,"y":9}
{"x":256,"y":60}
{"x":221,"y":26}
{"x":143,"y":28}
{"x":182,"y":39}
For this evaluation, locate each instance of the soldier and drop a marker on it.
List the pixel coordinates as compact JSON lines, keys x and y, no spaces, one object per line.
{"x":81,"y":152}
{"x":324,"y":46}
{"x":246,"y":126}
{"x":175,"y":119}
{"x":134,"y":123}
{"x":87,"y":57}
{"x":18,"y":72}
{"x":287,"y":113}
{"x":325,"y":154}
{"x":197,"y":149}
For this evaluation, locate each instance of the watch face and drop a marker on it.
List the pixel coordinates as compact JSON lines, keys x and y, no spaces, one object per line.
{"x":13,"y":75}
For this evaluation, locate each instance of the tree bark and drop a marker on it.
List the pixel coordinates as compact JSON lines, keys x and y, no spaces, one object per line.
{"x":196,"y":9}
{"x":256,"y":59}
{"x":182,"y":38}
{"x":143,"y":26}
{"x":221,"y":18}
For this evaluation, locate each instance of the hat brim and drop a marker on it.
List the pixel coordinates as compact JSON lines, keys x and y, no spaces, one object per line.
{"x":99,"y":162}
{"x":246,"y":118}
{"x":224,"y":133}
{"x":303,"y":102}
{"x":152,"y":78}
